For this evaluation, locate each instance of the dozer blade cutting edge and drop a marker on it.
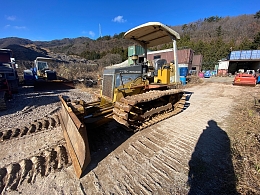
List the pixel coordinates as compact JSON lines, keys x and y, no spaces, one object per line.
{"x":76,"y":138}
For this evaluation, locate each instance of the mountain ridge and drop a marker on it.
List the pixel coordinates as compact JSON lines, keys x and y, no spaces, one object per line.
{"x":229,"y":29}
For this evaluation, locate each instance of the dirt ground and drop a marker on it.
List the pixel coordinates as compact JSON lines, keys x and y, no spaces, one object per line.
{"x":186,"y":154}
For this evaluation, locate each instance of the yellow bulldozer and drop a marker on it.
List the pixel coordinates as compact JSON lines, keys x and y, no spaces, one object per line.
{"x":132,"y":95}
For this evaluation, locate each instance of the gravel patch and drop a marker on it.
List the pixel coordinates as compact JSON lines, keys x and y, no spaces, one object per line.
{"x":29,"y":105}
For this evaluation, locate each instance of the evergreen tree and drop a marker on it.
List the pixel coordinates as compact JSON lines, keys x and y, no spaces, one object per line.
{"x":245,"y":44}
{"x":256,"y":42}
{"x":219,"y":31}
{"x":257,"y":15}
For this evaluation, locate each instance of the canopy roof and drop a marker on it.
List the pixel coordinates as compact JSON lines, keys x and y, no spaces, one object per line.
{"x":152,"y":34}
{"x":43,"y":59}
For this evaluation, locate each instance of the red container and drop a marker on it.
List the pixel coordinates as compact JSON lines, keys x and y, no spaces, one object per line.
{"x":222,"y":72}
{"x":201,"y":75}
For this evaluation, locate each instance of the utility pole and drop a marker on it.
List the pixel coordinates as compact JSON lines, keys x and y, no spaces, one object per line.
{"x":100,"y":33}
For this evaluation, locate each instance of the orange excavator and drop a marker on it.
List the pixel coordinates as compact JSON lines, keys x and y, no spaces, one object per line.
{"x":245,"y":79}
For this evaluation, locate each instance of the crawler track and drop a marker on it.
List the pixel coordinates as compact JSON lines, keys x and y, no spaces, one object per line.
{"x":140,"y":111}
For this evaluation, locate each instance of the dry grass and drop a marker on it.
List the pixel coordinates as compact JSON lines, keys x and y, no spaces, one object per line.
{"x":244,"y":132}
{"x":194,"y":79}
{"x":95,"y":90}
{"x":77,"y":70}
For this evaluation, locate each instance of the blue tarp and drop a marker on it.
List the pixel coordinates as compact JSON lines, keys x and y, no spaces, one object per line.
{"x":207,"y":74}
{"x":244,"y":55}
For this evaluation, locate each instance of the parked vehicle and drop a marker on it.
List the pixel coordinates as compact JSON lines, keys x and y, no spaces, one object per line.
{"x":8,"y":69}
{"x":9,"y":80}
{"x":40,"y":71}
{"x":207,"y":74}
{"x":41,"y":77}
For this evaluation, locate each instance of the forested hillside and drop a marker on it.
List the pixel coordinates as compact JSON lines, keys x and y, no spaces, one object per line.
{"x":213,"y":37}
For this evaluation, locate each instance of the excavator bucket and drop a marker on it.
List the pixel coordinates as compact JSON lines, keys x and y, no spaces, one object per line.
{"x":76,"y":138}
{"x":245,"y":80}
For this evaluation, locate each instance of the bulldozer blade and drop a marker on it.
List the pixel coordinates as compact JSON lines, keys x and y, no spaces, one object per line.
{"x":53,"y":85}
{"x":76,"y":138}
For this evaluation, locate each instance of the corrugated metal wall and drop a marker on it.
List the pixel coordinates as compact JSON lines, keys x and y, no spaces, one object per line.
{"x":185,"y":56}
{"x":197,"y":60}
{"x":197,"y":63}
{"x":168,"y":56}
{"x":245,"y":55}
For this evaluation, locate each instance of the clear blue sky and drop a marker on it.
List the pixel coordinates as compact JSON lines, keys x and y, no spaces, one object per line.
{"x":47,"y":20}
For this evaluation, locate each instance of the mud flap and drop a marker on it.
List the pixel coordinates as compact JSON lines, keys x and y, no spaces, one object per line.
{"x":76,"y":138}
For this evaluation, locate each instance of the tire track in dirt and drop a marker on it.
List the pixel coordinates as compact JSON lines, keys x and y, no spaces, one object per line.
{"x":137,"y":158}
{"x":154,"y":171}
{"x":40,"y":150}
{"x":165,"y":155}
{"x":171,"y":149}
{"x":131,"y":183}
{"x":29,"y":145}
{"x":36,"y":126}
{"x":127,"y":181}
{"x":26,"y":170}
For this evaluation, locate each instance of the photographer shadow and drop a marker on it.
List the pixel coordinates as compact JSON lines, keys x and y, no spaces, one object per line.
{"x":211,"y":169}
